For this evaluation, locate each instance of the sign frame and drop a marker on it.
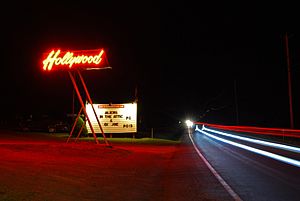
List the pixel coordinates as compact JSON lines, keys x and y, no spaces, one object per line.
{"x":114,"y":118}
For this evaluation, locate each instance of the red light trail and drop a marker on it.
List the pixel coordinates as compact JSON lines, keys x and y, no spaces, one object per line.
{"x":257,"y":130}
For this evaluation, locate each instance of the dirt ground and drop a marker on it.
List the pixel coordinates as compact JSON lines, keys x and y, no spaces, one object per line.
{"x":37,"y":167}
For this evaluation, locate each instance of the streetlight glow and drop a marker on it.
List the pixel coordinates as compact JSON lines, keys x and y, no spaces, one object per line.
{"x":189,"y":123}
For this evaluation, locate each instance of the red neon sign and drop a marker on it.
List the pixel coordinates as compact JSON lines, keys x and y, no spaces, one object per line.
{"x":69,"y":60}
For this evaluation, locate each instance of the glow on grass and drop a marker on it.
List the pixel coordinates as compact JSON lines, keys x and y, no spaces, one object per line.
{"x":255,"y":150}
{"x":262,"y":142}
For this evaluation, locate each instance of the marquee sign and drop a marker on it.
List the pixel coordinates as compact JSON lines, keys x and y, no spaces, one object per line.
{"x":114,"y":118}
{"x":70,"y":60}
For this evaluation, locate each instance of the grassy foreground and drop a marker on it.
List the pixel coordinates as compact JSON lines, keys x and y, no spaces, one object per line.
{"x":125,"y":140}
{"x":155,"y":141}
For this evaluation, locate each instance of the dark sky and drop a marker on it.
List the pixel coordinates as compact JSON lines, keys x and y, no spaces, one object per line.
{"x":184,"y":58}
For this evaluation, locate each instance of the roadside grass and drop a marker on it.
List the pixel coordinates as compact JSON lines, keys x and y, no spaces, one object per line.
{"x":121,"y":140}
{"x":156,"y":141}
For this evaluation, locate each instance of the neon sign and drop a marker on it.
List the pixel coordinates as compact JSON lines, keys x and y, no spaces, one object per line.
{"x":69,"y":60}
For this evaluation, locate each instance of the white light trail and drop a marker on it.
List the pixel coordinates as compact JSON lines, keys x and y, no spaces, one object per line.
{"x":262,"y":142}
{"x":255,"y":150}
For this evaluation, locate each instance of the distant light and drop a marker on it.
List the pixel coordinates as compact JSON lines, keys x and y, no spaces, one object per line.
{"x":189,"y":123}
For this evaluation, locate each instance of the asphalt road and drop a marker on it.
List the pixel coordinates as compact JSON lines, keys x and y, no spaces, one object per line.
{"x":252,"y":176}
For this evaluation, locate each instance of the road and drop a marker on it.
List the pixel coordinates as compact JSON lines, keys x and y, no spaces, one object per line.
{"x":250,"y":175}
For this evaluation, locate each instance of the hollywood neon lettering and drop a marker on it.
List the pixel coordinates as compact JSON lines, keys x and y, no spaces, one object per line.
{"x":69,"y":59}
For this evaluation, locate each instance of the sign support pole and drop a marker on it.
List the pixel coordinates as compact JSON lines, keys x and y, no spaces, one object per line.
{"x":91,"y":102}
{"x":82,"y":105}
{"x":75,"y":122}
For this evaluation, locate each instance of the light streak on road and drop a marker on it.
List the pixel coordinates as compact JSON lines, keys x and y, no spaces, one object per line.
{"x":255,"y":150}
{"x":262,"y":142}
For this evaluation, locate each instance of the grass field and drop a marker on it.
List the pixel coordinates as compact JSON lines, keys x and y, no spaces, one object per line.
{"x":42,"y":167}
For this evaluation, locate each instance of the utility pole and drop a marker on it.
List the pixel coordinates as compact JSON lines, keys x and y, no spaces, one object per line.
{"x":236,"y":104}
{"x":289,"y":81}
{"x":73,"y":103}
{"x":136,"y":94}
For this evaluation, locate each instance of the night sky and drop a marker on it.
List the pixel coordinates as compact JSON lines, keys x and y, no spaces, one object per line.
{"x":187,"y":60}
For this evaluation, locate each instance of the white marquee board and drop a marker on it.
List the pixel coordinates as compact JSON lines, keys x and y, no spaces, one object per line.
{"x":114,"y":118}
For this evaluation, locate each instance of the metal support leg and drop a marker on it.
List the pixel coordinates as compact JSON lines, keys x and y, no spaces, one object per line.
{"x":82,"y":105}
{"x":91,"y":102}
{"x":79,"y":133}
{"x":74,"y":124}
